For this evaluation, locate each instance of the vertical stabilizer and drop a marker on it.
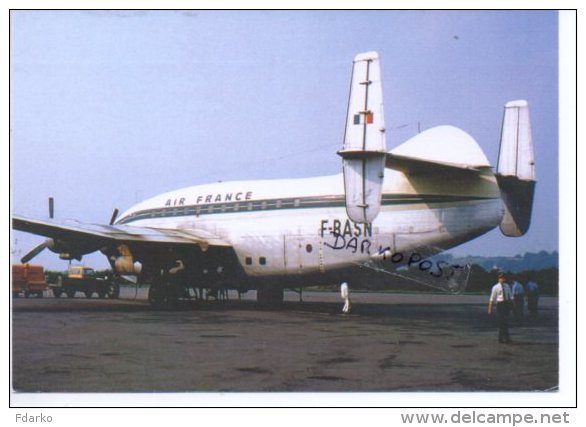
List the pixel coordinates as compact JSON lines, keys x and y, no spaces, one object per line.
{"x":364,"y":147}
{"x":516,"y":169}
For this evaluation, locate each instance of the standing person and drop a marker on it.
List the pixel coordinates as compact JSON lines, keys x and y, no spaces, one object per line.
{"x":532,"y":298}
{"x":518,"y":300}
{"x":345,"y":293}
{"x":501,"y":296}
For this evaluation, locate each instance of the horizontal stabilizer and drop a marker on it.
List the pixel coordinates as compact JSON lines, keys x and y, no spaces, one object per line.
{"x":417,"y":166}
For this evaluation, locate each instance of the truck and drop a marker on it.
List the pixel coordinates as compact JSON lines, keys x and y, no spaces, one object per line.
{"x":84,"y":279}
{"x":28,"y":279}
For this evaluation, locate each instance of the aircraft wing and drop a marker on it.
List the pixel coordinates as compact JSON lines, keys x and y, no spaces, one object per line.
{"x":417,"y":166}
{"x":96,"y":235}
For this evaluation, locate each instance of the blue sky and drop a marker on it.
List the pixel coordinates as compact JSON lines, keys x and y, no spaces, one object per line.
{"x":108,"y":108}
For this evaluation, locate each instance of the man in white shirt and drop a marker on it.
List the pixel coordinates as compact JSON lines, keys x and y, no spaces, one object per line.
{"x":345,"y":294}
{"x":501,"y":296}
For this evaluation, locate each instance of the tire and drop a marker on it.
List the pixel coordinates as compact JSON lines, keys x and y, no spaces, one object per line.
{"x":159,"y":296}
{"x":114,"y":291}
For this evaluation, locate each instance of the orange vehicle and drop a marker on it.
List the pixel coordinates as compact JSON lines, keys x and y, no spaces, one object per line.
{"x":28,"y":279}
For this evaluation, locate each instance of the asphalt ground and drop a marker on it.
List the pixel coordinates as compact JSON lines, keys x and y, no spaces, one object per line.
{"x":390,"y":342}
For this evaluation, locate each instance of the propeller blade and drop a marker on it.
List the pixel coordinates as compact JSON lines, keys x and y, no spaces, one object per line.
{"x":51,"y":207}
{"x":37,"y":250}
{"x":114,"y":216}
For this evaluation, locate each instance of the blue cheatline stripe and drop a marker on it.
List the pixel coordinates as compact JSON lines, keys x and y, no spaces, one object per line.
{"x":333,"y":201}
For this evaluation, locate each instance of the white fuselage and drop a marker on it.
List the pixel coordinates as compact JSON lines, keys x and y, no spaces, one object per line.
{"x":300,"y":226}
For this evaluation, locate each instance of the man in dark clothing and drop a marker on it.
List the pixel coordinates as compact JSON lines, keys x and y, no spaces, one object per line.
{"x":501,"y":296}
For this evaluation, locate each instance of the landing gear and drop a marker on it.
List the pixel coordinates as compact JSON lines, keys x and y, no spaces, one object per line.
{"x":114,"y":291}
{"x":270,"y":295}
{"x":164,"y":293}
{"x":158,"y":296}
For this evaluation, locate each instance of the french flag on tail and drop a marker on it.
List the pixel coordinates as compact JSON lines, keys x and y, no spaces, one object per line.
{"x":364,"y":117}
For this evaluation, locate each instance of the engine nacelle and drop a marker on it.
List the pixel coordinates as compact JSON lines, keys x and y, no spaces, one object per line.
{"x":65,"y":251}
{"x":126,"y":265}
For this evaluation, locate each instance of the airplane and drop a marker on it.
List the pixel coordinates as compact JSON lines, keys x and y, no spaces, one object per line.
{"x":433,"y":192}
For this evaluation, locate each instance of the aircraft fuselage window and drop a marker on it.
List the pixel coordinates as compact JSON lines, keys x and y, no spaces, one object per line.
{"x":262,"y":260}
{"x":248,"y":260}
{"x":309,"y":248}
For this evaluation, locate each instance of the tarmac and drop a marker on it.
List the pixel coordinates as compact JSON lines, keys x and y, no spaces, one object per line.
{"x":389,"y":342}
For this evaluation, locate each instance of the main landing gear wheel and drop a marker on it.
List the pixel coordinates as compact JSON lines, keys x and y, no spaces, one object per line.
{"x":162,"y":295}
{"x":113,"y":291}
